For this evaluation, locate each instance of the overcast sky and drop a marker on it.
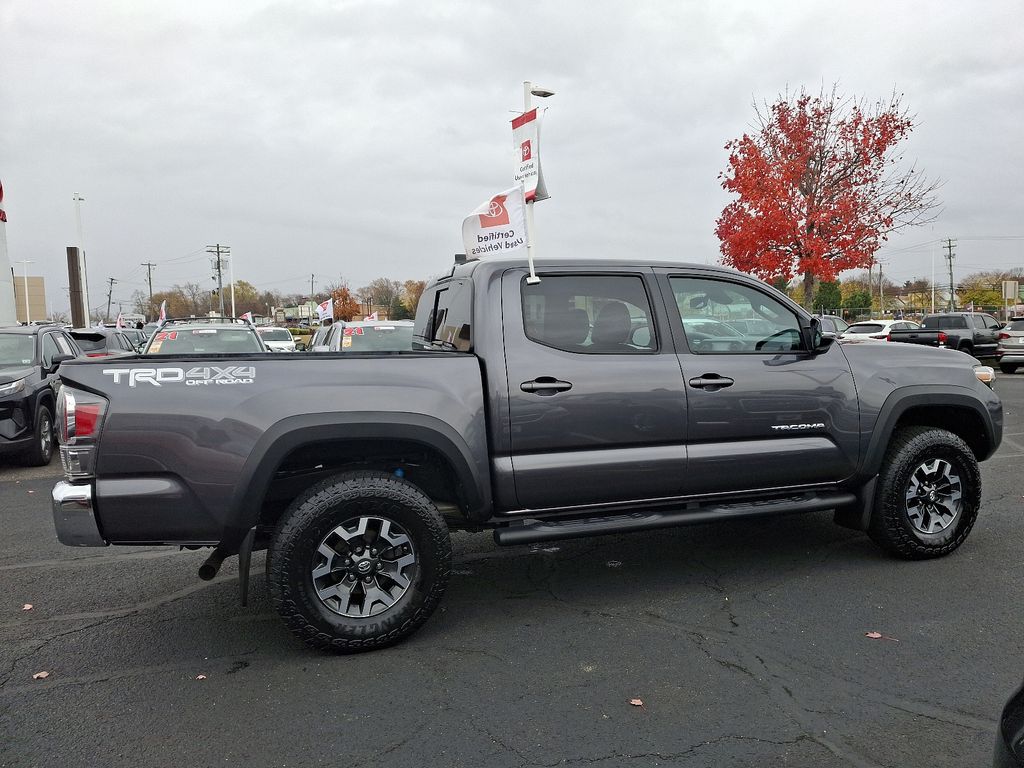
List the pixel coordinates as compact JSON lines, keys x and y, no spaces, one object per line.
{"x":350,"y":138}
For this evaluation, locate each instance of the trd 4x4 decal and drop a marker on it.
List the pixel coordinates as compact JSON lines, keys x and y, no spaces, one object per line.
{"x":201,"y":376}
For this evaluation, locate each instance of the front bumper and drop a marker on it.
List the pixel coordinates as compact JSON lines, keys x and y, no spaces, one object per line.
{"x":74,"y":516}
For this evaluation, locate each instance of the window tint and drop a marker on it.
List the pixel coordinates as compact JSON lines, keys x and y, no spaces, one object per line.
{"x":444,"y":317}
{"x":870,"y":327}
{"x":49,"y":349}
{"x":591,"y":314}
{"x":707,"y":308}
{"x":991,"y":323}
{"x":979,"y":321}
{"x":945,"y":322}
{"x":1015,"y":325}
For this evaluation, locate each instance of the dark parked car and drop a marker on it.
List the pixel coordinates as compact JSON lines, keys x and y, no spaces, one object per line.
{"x":103,"y":342}
{"x":1010,"y":733}
{"x":29,"y":358}
{"x":974,"y":333}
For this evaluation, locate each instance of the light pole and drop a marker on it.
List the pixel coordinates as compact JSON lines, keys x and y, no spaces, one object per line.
{"x":529,"y":89}
{"x":28,"y":314}
{"x":81,"y":256}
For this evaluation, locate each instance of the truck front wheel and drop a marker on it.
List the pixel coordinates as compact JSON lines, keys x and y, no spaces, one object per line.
{"x":928,"y":494}
{"x":358,"y":562}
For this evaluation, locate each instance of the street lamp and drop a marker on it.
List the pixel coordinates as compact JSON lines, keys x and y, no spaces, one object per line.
{"x":28,"y":314}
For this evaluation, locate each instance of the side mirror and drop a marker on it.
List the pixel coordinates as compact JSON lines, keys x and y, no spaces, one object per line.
{"x":57,"y":360}
{"x":300,"y":346}
{"x":816,"y":340}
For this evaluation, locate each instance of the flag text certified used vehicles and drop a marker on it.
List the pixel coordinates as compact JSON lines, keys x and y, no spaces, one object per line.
{"x":593,"y":401}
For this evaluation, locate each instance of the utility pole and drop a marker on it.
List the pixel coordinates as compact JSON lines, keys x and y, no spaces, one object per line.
{"x":110,"y":293}
{"x":950,"y":244}
{"x":881,"y":291}
{"x":217,"y":250}
{"x":149,"y":270}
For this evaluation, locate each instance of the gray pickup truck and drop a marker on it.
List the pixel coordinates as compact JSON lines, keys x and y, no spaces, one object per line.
{"x":607,"y":398}
{"x":975,"y":333}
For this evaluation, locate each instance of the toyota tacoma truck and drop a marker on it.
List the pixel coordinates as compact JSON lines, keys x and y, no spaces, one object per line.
{"x":606,"y":398}
{"x":975,"y":333}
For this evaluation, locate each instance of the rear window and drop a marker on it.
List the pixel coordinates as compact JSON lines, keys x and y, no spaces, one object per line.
{"x":204,"y":341}
{"x":865,"y":328}
{"x":1015,"y":325}
{"x":377,"y":338}
{"x":90,"y":342}
{"x":275,"y":334}
{"x":944,"y":322}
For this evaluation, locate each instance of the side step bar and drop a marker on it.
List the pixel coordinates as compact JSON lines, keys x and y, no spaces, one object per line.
{"x":553,"y":530}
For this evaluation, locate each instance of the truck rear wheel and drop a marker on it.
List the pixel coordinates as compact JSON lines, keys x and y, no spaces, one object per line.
{"x":928,"y":494}
{"x":1007,"y":368}
{"x":358,"y":562}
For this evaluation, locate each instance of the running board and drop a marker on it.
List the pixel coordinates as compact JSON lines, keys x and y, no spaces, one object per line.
{"x":554,"y":530}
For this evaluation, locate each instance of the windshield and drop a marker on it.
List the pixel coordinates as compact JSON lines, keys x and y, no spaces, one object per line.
{"x":16,"y":349}
{"x":204,"y":341}
{"x":377,"y":338}
{"x":90,"y":342}
{"x":865,"y":328}
{"x":275,"y":334}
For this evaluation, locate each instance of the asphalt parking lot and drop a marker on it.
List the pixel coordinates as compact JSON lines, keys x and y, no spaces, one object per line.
{"x":744,"y":641}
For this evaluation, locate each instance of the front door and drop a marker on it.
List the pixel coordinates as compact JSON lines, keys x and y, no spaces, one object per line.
{"x":763,"y":412}
{"x":596,"y":405}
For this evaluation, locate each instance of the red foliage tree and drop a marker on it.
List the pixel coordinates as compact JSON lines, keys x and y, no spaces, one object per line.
{"x":820,"y":186}
{"x":345,"y":305}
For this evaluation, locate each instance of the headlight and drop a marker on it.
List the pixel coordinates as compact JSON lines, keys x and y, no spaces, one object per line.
{"x":14,"y":386}
{"x":985,"y":374}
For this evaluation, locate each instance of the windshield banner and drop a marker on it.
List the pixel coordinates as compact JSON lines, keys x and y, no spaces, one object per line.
{"x":497,"y":226}
{"x":526,"y":144}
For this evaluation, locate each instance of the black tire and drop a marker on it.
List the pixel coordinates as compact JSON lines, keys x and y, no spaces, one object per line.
{"x":967,"y":349}
{"x":893,"y":527}
{"x":1007,"y":368}
{"x":342,"y":503}
{"x":41,"y":451}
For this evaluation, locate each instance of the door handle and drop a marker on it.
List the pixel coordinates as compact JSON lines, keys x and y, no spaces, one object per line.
{"x":711,"y":382}
{"x":545,"y":385}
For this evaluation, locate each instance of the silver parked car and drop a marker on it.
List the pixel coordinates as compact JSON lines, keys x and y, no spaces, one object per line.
{"x":1010,"y":346}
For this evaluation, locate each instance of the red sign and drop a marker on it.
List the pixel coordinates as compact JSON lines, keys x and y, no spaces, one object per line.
{"x":524,"y":150}
{"x":497,"y":214}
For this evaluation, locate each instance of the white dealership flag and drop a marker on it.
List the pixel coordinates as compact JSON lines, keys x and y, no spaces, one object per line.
{"x":163,"y":310}
{"x":325,"y":310}
{"x":497,"y":226}
{"x":247,"y":317}
{"x":526,"y":144}
{"x":373,"y":317}
{"x":119,"y":323}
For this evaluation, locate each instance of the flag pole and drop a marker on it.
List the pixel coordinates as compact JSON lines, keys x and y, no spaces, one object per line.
{"x":532,"y":279}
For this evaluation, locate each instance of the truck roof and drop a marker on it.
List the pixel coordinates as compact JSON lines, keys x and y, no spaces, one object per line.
{"x":465,"y":269}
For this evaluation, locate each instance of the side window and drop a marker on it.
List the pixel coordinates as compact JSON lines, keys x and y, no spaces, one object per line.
{"x":444,"y":319}
{"x":65,"y":346}
{"x":590,"y":314}
{"x":992,"y":323}
{"x":979,"y":322}
{"x":49,"y":349}
{"x":708,"y":307}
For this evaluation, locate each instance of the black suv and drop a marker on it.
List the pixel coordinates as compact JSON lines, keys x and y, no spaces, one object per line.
{"x":29,"y":358}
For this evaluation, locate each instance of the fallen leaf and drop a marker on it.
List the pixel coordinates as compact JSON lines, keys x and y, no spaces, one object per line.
{"x":614,"y":563}
{"x":200,"y":677}
{"x":879,"y":636}
{"x":636,"y":702}
{"x":27,"y":607}
{"x":40,"y":675}
{"x":31,"y":491}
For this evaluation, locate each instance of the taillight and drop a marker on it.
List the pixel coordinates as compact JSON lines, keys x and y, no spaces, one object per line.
{"x":888,"y":337}
{"x":97,"y":354}
{"x":1004,"y":335}
{"x":943,"y":338}
{"x":80,"y":419}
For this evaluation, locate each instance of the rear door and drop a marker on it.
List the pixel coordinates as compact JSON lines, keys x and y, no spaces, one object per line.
{"x":596,"y":406}
{"x":763,"y":412}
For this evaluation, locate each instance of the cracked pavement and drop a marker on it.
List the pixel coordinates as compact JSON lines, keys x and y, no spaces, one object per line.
{"x":745,"y":641}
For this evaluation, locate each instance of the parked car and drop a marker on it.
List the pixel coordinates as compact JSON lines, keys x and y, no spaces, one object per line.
{"x":368,"y":336}
{"x":1010,"y":346}
{"x":29,"y":359}
{"x":136,"y":336}
{"x":197,"y":336}
{"x":103,"y":342}
{"x":526,"y":409}
{"x":875,"y":330}
{"x":975,"y":333}
{"x":832,"y":324}
{"x":277,"y":339}
{"x":1009,"y":752}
